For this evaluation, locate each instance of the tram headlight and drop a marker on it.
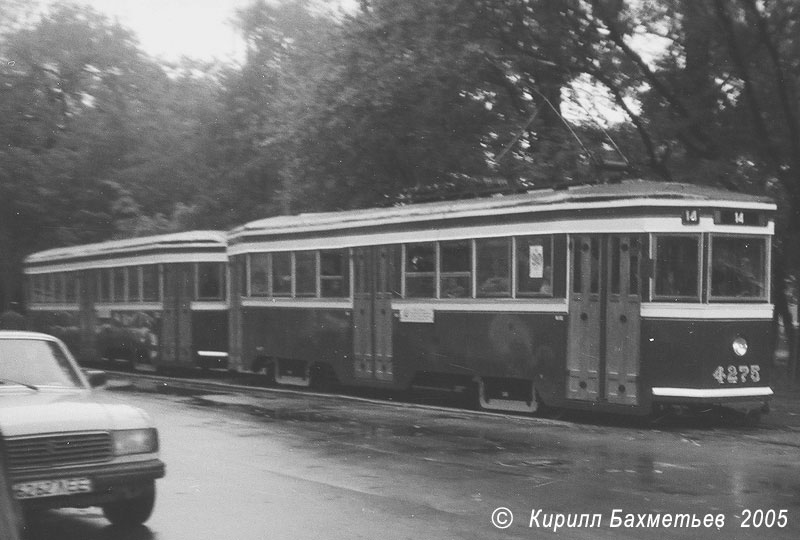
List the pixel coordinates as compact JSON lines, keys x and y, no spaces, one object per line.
{"x":739,"y":346}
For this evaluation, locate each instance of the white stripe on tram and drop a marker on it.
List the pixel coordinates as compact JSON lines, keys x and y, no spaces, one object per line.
{"x":712,"y":392}
{"x":212,"y":354}
{"x":685,"y":310}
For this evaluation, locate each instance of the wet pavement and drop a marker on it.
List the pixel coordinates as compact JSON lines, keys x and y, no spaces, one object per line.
{"x":288,"y":466}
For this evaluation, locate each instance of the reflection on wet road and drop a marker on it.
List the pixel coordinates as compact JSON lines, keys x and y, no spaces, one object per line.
{"x":298,"y":467}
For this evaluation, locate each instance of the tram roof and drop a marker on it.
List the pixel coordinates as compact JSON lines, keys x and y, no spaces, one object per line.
{"x":629,"y":193}
{"x":182,"y":241}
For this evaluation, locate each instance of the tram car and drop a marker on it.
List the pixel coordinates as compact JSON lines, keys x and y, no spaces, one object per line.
{"x":146,"y":303}
{"x":624,"y":298}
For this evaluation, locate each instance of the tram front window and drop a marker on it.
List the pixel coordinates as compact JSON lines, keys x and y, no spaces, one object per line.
{"x":738,"y":267}
{"x":677,"y":268}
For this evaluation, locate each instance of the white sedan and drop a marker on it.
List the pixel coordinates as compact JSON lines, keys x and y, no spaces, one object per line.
{"x":65,"y":449}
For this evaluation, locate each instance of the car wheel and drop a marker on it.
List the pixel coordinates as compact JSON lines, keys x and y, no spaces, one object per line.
{"x":130,"y":512}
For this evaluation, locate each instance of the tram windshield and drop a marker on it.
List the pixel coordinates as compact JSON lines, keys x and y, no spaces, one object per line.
{"x":677,"y":269}
{"x":738,"y":267}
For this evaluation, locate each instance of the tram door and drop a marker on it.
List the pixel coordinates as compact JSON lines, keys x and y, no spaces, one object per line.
{"x":176,"y":319}
{"x":372,"y":313}
{"x":604,"y":321}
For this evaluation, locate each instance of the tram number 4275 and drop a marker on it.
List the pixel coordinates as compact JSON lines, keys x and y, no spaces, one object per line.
{"x":737,"y":374}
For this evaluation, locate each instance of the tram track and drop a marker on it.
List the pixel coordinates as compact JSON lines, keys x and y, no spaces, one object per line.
{"x":305,"y":404}
{"x":149,"y":382}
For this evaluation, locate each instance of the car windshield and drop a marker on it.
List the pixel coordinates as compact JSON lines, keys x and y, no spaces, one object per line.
{"x":36,"y":362}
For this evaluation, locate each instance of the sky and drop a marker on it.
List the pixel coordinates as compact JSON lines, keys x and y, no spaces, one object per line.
{"x":203,"y":30}
{"x":169,"y":29}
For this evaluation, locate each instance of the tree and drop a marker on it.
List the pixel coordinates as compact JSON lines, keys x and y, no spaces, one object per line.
{"x":432,"y":92}
{"x":66,"y":82}
{"x":723,"y":99}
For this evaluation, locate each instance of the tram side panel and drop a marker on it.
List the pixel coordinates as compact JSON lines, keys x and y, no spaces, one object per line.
{"x":286,"y":341}
{"x":492,"y":346}
{"x":693,"y":361}
{"x":457,"y":347}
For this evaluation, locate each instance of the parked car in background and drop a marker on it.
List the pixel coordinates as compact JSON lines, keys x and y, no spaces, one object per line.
{"x":64,"y":448}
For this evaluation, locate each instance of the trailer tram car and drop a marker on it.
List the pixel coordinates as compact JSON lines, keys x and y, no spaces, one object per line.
{"x":151,"y":302}
{"x":624,"y":298}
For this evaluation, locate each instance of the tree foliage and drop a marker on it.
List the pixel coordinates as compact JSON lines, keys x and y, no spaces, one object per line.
{"x":95,"y":138}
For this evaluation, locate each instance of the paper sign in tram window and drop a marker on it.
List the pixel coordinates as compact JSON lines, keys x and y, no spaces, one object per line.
{"x":536,"y":261}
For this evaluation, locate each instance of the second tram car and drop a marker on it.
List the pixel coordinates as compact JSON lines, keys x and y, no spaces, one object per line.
{"x":150,"y":302}
{"x":621,"y":297}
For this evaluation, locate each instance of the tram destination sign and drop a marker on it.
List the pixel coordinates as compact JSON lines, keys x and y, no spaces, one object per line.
{"x":691,"y":216}
{"x":739,"y":217}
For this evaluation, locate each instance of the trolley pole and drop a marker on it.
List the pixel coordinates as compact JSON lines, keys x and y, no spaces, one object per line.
{"x":10,"y":512}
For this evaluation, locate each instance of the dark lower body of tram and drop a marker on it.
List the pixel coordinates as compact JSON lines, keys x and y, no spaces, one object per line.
{"x":516,"y":361}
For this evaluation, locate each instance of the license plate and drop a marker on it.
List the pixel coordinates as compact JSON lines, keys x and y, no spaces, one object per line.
{"x":52,"y":488}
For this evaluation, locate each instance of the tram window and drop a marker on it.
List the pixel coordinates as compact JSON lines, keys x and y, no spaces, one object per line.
{"x":34,"y":289}
{"x":738,"y":267}
{"x":594,"y":278}
{"x":420,"y":270}
{"x":44,"y":294}
{"x":104,"y":294}
{"x":118,"y":277}
{"x":635,"y":248}
{"x":305,"y":273}
{"x":51,"y":289}
{"x":577,"y":265}
{"x":58,"y":287}
{"x":535,"y":266}
{"x":493,"y":267}
{"x":616,"y":260}
{"x":456,"y":269}
{"x":134,"y":284}
{"x":44,"y":282}
{"x":70,"y":287}
{"x":150,"y":286}
{"x":334,"y":274}
{"x":677,"y":267}
{"x":210,"y":281}
{"x":259,"y":274}
{"x":282,"y":274}
{"x":239,"y":266}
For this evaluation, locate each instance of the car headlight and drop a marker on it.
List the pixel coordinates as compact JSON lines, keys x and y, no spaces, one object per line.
{"x":739,"y":346}
{"x":135,"y":441}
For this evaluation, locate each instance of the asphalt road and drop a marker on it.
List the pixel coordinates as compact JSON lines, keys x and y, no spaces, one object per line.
{"x":300,"y":467}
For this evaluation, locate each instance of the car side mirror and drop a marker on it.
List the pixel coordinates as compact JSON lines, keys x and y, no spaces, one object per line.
{"x":96,"y":377}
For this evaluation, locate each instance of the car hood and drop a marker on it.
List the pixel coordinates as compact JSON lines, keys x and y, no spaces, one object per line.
{"x":49,"y":412}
